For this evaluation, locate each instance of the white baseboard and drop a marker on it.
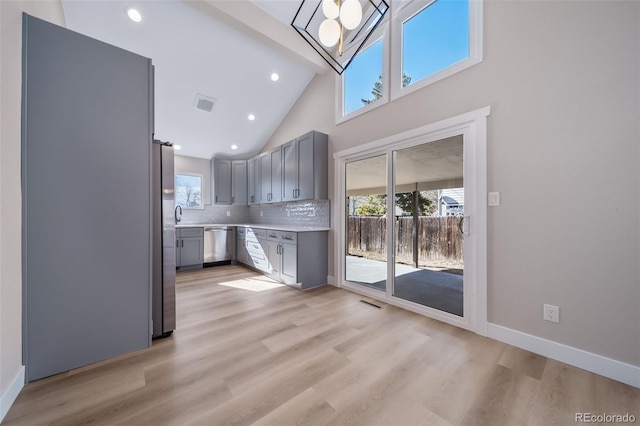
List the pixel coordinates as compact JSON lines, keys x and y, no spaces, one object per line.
{"x":11,"y":393}
{"x":331,"y":280}
{"x":607,"y":367}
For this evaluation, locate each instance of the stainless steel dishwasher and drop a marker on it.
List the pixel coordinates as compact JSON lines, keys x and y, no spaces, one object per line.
{"x":219,"y":243}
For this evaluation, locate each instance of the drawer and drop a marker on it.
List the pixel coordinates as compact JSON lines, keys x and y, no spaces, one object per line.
{"x":254,"y":247}
{"x":288,"y":237}
{"x":256,"y":232}
{"x":261,"y":264}
{"x":190,"y":232}
{"x":256,"y":235}
{"x":273,"y":235}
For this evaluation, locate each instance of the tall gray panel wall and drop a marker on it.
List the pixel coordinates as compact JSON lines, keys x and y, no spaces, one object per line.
{"x":87,"y":118}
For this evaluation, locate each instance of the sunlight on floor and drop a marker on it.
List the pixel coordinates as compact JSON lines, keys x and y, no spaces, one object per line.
{"x":254,"y":284}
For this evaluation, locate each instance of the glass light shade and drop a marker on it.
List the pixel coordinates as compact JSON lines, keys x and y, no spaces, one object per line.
{"x":330,"y":9}
{"x":134,"y":14}
{"x":329,"y":32}
{"x":351,"y":14}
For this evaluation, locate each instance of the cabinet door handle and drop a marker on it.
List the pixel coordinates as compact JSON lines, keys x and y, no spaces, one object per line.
{"x":177,"y":243}
{"x":216,"y":198}
{"x":181,"y":243}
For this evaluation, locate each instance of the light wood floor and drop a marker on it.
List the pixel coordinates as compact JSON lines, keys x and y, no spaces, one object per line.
{"x":242,"y":356}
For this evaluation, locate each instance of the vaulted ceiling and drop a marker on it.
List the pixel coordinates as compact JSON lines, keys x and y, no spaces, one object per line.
{"x":224,"y":50}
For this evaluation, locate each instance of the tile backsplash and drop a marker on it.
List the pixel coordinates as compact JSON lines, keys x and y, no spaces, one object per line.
{"x":315,"y":213}
{"x":216,"y":214}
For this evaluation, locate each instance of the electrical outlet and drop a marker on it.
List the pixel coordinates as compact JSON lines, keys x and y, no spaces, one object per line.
{"x":260,"y":213}
{"x":551,"y":313}
{"x":228,"y":213}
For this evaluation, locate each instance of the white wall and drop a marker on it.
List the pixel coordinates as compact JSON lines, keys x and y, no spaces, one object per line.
{"x":199,"y":166}
{"x":10,"y":192}
{"x":563,"y":83}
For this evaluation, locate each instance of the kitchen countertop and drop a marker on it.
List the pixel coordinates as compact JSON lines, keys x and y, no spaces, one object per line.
{"x":260,"y":226}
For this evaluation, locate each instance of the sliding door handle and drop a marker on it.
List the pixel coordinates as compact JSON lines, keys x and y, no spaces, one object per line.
{"x":463,"y":225}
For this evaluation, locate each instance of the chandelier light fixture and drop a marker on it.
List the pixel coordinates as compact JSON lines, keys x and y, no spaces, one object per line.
{"x":338,"y":29}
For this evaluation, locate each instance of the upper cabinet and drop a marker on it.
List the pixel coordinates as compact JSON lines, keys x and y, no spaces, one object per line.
{"x":294,"y":171}
{"x":271,"y":175}
{"x":222,"y":181}
{"x":254,"y":178}
{"x":230,"y":182}
{"x":239,"y":182}
{"x":305,"y":162}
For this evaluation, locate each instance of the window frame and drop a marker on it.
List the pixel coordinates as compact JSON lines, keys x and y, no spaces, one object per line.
{"x":405,"y":14}
{"x":381,"y":33}
{"x":175,"y":198}
{"x":390,"y":31}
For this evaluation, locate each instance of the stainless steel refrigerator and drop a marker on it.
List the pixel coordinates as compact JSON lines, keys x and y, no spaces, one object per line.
{"x":164,"y":252}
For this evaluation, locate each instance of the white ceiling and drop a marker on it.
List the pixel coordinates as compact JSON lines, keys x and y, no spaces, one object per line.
{"x":439,"y":162}
{"x":195,"y":54}
{"x":282,"y":10}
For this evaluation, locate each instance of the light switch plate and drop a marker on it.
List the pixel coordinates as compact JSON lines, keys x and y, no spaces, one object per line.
{"x":494,"y":199}
{"x":228,"y":213}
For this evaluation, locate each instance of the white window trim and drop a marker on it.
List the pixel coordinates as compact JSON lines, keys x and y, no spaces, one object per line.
{"x":390,"y":30}
{"x":473,"y":125}
{"x":475,"y":48}
{"x":175,"y":198}
{"x":381,"y":33}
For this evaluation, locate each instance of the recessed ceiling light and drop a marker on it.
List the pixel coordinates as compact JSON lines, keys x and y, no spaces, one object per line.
{"x":234,"y":146}
{"x":275,"y":76}
{"x":177,"y":147}
{"x":251,"y":117}
{"x":134,"y":14}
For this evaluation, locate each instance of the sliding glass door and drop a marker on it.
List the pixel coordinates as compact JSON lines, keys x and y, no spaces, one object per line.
{"x":428,"y":224}
{"x":404,"y":224}
{"x":366,"y":222}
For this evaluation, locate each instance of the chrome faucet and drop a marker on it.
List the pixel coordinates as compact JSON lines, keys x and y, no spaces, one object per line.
{"x":178,"y":214}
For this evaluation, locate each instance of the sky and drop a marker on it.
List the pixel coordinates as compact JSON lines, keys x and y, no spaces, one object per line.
{"x":433,"y":39}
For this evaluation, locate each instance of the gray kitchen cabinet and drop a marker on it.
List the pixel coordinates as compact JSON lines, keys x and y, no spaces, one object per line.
{"x":289,"y":263}
{"x":189,"y":248}
{"x":265,"y":177}
{"x":298,"y":259}
{"x":256,"y":242}
{"x":253,"y":181}
{"x":271,"y":174}
{"x":239,"y":182}
{"x":305,"y":166}
{"x":273,"y":256}
{"x":242,"y":255}
{"x":229,"y":182}
{"x":222,"y":181}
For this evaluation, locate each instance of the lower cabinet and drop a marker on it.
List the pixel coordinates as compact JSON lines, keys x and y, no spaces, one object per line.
{"x":289,"y":263}
{"x":298,"y":259}
{"x":242,"y":255}
{"x":189,"y":248}
{"x":256,"y":244}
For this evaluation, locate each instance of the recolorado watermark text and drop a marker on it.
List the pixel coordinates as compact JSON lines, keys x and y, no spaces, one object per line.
{"x":604,"y":418}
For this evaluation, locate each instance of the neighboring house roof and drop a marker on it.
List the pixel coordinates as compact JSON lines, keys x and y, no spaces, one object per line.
{"x":452,"y":197}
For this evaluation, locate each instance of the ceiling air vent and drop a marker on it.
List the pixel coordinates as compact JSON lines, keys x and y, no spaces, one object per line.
{"x":204,"y":103}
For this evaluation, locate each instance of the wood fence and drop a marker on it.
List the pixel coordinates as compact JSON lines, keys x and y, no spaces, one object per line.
{"x":438,"y":238}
